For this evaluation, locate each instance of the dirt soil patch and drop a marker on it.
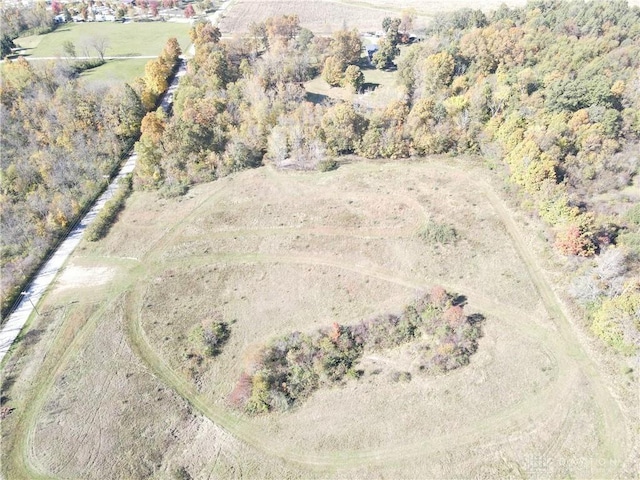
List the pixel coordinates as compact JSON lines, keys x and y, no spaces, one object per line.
{"x":76,"y":276}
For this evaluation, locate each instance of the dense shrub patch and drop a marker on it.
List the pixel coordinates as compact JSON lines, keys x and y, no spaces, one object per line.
{"x":290,"y":368}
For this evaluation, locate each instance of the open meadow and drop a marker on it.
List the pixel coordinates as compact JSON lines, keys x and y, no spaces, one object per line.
{"x":105,"y":386}
{"x":130,"y":39}
{"x":126,"y":40}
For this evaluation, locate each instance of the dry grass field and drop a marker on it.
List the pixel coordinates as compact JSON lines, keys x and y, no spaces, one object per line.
{"x":104,"y":388}
{"x":327,"y":16}
{"x":319,"y":16}
{"x":426,"y":8}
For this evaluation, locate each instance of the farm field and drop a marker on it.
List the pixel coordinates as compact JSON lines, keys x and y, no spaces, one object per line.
{"x":319,"y":16}
{"x":429,"y":7}
{"x":102,"y":386}
{"x":327,"y":16}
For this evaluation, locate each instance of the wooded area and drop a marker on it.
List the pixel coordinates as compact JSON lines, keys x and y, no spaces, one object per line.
{"x":61,"y":141}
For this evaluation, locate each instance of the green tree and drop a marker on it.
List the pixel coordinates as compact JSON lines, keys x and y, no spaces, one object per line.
{"x":346,"y":46}
{"x":130,"y":113}
{"x":333,"y":71}
{"x":353,"y":78}
{"x":436,"y":72}
{"x":342,"y":128}
{"x":6,"y":45}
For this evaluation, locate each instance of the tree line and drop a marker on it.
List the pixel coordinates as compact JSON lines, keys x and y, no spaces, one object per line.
{"x":549,"y":92}
{"x":61,"y":140}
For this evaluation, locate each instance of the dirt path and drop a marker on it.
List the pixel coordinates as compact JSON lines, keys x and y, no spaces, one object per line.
{"x":534,"y":407}
{"x":615,"y":422}
{"x":48,"y":272}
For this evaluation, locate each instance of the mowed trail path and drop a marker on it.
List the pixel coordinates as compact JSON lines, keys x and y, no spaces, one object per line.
{"x":574,"y":363}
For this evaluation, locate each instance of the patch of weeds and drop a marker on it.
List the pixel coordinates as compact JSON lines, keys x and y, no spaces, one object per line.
{"x":210,"y":337}
{"x":174,"y":190}
{"x":441,"y":233}
{"x":328,"y":165}
{"x":404,"y":377}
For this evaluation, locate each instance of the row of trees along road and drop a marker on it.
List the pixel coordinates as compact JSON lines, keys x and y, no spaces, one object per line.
{"x":551,"y":91}
{"x":60,"y":141}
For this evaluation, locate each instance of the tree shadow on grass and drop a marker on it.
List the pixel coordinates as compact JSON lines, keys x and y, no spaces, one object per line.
{"x":369,"y":87}
{"x":476,"y":318}
{"x":7,"y":383}
{"x":459,"y":300}
{"x":315,"y":98}
{"x":19,"y":52}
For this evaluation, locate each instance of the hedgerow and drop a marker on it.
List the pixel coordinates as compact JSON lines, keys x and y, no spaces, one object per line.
{"x":103,"y":221}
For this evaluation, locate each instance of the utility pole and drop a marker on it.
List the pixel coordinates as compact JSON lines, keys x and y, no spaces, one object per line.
{"x":25,"y":294}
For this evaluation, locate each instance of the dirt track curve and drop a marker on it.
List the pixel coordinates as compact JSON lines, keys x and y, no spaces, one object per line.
{"x":572,"y":362}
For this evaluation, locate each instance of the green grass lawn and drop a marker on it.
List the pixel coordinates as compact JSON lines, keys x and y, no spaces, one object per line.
{"x":125,"y":39}
{"x":116,"y":71}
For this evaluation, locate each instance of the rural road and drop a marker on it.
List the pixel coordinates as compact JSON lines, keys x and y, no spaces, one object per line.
{"x":45,"y":276}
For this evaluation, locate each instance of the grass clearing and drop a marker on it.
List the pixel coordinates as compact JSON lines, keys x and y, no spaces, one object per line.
{"x":125,"y":39}
{"x":272,"y":252}
{"x":378,"y":91}
{"x":116,"y":71}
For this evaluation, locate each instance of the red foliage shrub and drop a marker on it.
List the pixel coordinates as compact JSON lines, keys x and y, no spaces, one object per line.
{"x":454,"y":316}
{"x":438,"y":296}
{"x":571,"y":241}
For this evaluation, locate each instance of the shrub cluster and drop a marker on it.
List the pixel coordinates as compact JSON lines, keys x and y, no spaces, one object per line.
{"x":103,"y":221}
{"x":434,"y":232}
{"x":210,"y":337}
{"x":291,"y":367}
{"x":80,"y":66}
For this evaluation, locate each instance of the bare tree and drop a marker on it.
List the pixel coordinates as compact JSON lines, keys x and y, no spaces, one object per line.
{"x":100,"y":44}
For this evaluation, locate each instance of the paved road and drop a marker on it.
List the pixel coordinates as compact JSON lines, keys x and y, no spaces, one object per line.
{"x":46,"y":274}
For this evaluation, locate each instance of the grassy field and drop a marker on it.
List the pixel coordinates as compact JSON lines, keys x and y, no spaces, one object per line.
{"x":116,"y":71}
{"x":103,"y":389}
{"x":124,"y":39}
